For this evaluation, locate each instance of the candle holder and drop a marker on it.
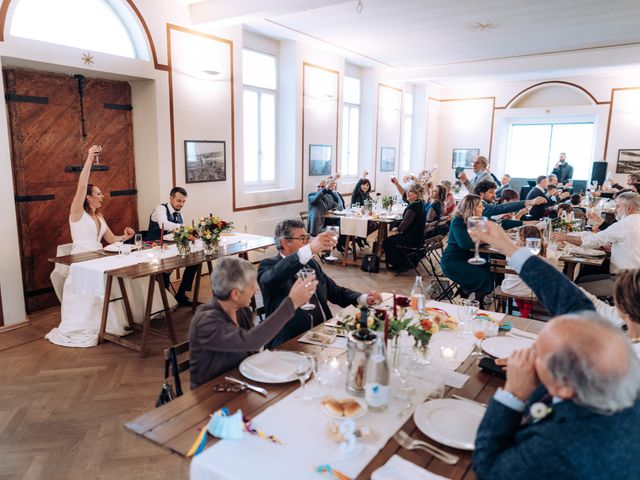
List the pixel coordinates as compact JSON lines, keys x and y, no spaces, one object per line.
{"x":448,"y":353}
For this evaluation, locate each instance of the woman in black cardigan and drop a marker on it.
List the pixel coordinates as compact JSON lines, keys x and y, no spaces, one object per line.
{"x":410,"y":230}
{"x":362,"y":192}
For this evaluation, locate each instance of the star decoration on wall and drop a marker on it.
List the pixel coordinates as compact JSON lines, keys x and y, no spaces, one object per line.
{"x":87,"y":59}
{"x":482,"y":26}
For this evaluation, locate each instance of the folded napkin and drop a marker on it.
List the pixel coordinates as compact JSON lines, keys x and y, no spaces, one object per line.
{"x":397,"y":468}
{"x":271,"y":366}
{"x":356,"y":227}
{"x":582,"y":251}
{"x":522,"y":333}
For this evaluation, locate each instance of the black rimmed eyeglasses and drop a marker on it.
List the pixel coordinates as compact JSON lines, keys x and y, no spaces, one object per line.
{"x":302,"y":238}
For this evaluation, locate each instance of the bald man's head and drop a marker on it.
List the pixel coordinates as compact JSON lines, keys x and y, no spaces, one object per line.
{"x":588,"y":360}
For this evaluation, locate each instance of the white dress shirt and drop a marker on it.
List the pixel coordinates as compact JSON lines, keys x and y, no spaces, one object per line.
{"x":159,"y":216}
{"x":624,"y":237}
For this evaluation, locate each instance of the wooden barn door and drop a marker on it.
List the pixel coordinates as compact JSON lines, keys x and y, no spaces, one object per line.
{"x":50,"y":136}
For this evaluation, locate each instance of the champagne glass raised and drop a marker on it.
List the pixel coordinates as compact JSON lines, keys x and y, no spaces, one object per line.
{"x":476,"y":224}
{"x":335,"y":233}
{"x":305,"y":274}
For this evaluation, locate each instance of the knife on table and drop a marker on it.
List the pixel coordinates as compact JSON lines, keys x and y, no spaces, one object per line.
{"x":260,"y":390}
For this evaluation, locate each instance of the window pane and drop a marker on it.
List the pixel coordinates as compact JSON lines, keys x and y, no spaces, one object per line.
{"x":354,"y":129}
{"x":529,"y":150}
{"x":408,"y":104}
{"x":344,"y":163}
{"x":576,"y":140}
{"x":258,"y":69}
{"x":250,"y":133}
{"x":267,"y":137}
{"x":352,"y":90}
{"x":406,"y":144}
{"x":90,"y":24}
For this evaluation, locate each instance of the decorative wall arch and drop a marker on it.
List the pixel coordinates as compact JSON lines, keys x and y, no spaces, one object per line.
{"x":4,"y":10}
{"x":550,"y":83}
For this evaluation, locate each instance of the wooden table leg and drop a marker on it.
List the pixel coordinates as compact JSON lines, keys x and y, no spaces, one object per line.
{"x":382,"y":234}
{"x":167,"y":309}
{"x":570,"y":270}
{"x":196,"y":290}
{"x":345,"y":254}
{"x":146,"y":323}
{"x":125,"y":299}
{"x":105,"y":308}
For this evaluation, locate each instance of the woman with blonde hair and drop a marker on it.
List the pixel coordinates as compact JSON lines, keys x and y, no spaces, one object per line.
{"x":472,"y":278}
{"x":410,"y":230}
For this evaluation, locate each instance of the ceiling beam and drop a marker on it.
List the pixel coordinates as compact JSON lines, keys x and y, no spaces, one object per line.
{"x":233,"y":12}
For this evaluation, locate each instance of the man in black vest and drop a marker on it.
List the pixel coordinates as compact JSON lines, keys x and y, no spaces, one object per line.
{"x":168,"y":215}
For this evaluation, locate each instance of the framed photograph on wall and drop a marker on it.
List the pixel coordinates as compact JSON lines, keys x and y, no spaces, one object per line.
{"x":205,"y":161}
{"x":464,"y":157}
{"x":320,"y":160}
{"x":628,"y":161}
{"x":387,"y":159}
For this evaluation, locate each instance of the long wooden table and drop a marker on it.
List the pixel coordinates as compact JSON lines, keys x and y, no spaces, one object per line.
{"x":176,"y":425}
{"x":154,"y":272}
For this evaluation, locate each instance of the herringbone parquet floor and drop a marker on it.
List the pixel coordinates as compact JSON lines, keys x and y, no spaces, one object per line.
{"x":62,"y":410}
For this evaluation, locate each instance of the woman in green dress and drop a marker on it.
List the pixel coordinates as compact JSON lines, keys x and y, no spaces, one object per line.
{"x":472,"y":278}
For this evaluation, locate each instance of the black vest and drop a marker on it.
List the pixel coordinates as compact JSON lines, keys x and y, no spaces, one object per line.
{"x":153,"y":232}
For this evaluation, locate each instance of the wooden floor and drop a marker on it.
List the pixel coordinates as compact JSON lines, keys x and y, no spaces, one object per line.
{"x":62,"y":410}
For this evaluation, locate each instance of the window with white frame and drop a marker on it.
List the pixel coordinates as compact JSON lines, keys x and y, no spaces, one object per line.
{"x":106,"y":26}
{"x":350,"y":127}
{"x":407,"y":125}
{"x":259,"y":72}
{"x":534,"y":148}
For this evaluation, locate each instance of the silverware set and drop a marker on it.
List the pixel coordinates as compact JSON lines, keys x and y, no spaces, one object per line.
{"x":255,"y":388}
{"x":405,"y":441}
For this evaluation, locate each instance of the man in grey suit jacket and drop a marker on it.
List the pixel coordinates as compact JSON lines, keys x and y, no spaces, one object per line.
{"x":320,"y":203}
{"x":570,"y":407}
{"x":481,"y":169}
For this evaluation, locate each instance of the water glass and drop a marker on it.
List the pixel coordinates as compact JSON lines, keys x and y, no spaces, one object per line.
{"x":125,"y":249}
{"x":118,"y":245}
{"x":534,"y":245}
{"x":138,"y":240}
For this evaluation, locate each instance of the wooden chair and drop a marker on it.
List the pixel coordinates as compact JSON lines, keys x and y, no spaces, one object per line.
{"x":304,"y":216}
{"x":179,"y":352}
{"x":504,"y":301}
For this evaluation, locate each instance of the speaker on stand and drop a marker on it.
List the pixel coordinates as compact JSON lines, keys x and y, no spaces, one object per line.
{"x":599,"y":172}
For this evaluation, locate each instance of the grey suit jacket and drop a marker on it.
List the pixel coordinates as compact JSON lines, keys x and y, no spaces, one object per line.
{"x":319,"y":204}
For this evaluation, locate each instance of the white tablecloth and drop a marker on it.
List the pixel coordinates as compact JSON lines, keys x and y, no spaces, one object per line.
{"x":301,"y":425}
{"x":354,"y":226}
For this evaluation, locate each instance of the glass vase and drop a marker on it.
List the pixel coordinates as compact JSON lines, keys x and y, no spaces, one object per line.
{"x":211,"y":247}
{"x":184,"y":249}
{"x":421,"y":354}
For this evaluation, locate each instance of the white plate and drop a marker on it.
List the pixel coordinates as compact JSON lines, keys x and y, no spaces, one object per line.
{"x":451,"y":422}
{"x":289,"y":357}
{"x":360,"y":414}
{"x":503,"y":347}
{"x":112,"y":248}
{"x":168,"y":237}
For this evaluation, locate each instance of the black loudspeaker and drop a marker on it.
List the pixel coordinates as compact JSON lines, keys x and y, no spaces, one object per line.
{"x":599,"y":172}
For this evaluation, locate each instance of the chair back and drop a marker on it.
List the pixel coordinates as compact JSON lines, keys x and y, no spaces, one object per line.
{"x":177,"y":357}
{"x":499,"y":266}
{"x":304,"y":216}
{"x":60,"y":271}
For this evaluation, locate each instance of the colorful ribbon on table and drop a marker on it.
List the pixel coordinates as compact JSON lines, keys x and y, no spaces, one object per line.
{"x":331,"y":472}
{"x":223,"y":415}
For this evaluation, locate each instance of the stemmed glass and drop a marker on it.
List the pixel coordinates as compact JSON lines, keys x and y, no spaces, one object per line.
{"x":305,"y":367}
{"x":469,"y":311}
{"x":138,"y":240}
{"x":405,"y":390}
{"x":534,"y":245}
{"x":304,"y":274}
{"x":479,"y":327}
{"x":335,"y":232}
{"x":476,"y":224}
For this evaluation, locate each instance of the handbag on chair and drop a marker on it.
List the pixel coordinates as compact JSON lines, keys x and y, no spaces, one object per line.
{"x":370,"y":263}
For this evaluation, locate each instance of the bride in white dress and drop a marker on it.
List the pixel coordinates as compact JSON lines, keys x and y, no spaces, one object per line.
{"x":81,"y":313}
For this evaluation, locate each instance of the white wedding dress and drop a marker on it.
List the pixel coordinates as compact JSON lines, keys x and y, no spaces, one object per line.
{"x":81,"y":313}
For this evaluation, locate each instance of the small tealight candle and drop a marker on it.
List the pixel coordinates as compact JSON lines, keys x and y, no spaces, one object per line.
{"x":448,"y":353}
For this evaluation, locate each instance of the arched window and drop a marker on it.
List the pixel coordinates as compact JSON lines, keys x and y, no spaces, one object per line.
{"x":97,"y":25}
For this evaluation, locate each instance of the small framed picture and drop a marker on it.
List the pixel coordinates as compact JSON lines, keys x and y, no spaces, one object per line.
{"x":320,"y":160}
{"x":628,"y":161}
{"x":387,"y":159}
{"x":205,"y":161}
{"x":464,"y":157}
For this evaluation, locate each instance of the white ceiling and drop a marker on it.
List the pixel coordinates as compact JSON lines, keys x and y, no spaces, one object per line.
{"x":434,"y":39}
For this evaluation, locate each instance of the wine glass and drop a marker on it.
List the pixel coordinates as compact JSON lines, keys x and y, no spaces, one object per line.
{"x":304,"y":274}
{"x":138,"y":240}
{"x":335,"y":232}
{"x":534,"y":245}
{"x":476,"y":224}
{"x":97,"y":156}
{"x":305,"y":367}
{"x":479,"y":327}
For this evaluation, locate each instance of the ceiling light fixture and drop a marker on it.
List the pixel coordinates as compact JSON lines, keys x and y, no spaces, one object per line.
{"x":359,"y":6}
{"x":482,"y":26}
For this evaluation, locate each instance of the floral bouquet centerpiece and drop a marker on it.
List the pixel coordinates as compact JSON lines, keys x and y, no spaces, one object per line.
{"x":421,"y":332}
{"x":210,"y":230}
{"x":559,"y":224}
{"x":375,"y":321}
{"x":387,"y":201}
{"x":184,"y":236}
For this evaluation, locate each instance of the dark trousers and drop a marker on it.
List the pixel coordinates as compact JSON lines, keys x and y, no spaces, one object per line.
{"x":187,"y":279}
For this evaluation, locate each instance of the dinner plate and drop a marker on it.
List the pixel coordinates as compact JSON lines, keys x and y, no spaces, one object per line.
{"x":360,"y":414}
{"x":451,"y":422}
{"x":503,"y":347}
{"x":112,"y":248}
{"x":168,"y":237}
{"x":291,"y":358}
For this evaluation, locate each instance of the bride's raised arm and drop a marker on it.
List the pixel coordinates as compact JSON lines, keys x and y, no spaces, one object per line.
{"x":81,"y":192}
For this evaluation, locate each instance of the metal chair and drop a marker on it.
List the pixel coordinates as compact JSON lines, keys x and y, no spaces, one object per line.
{"x":178,"y":358}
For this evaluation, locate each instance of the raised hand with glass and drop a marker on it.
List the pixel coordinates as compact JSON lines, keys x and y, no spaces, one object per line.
{"x":335,"y":233}
{"x":477,"y":224}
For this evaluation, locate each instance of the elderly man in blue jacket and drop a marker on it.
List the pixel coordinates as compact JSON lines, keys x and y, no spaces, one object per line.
{"x":570,"y":407}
